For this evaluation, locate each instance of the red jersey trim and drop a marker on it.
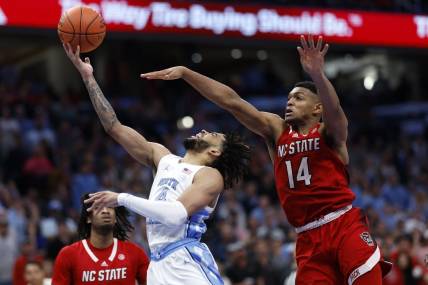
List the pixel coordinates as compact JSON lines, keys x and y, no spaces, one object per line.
{"x":94,"y":257}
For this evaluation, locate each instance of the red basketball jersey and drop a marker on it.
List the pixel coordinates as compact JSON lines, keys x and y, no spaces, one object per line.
{"x":311,"y":180}
{"x":122,"y":263}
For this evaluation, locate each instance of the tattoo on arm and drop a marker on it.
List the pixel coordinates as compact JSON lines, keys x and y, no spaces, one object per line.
{"x":103,"y":108}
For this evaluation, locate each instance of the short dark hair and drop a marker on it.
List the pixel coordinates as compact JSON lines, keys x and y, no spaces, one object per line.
{"x":308,"y":85}
{"x":34,"y":262}
{"x":234,"y":159}
{"x":120,"y":230}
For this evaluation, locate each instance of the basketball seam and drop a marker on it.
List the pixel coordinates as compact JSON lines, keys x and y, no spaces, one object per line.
{"x":89,"y":34}
{"x":81,"y":16}
{"x":71,"y":24}
{"x":87,"y":28}
{"x":90,"y":23}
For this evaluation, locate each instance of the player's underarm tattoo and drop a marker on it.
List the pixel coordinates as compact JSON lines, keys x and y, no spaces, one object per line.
{"x":103,"y":108}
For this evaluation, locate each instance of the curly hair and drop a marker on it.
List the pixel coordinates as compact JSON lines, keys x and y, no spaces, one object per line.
{"x":234,"y":159}
{"x":120,"y":230}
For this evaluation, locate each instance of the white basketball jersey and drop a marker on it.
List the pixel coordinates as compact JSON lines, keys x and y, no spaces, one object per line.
{"x":172,"y":179}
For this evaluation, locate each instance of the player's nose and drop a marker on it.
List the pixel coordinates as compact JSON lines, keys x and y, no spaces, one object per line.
{"x":105,"y":210}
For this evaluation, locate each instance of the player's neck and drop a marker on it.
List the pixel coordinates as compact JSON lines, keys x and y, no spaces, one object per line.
{"x":304,"y":128}
{"x":101,"y":241}
{"x":194,"y":158}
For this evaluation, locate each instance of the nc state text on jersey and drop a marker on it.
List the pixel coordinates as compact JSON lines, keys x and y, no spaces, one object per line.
{"x":299,"y":146}
{"x":104,"y":275}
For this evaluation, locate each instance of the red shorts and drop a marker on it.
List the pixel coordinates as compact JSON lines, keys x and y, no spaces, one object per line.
{"x":337,"y":252}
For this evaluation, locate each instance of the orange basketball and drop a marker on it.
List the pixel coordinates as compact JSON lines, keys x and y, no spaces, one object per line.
{"x":82,"y":26}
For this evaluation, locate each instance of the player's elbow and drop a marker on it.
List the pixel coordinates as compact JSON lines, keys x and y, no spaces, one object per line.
{"x":114,"y":130}
{"x":179,"y":216}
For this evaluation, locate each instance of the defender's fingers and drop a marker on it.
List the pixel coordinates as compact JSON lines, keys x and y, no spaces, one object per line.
{"x":300,"y":50}
{"x":311,"y":41}
{"x":319,"y":43}
{"x":303,"y":42}
{"x":325,"y":49}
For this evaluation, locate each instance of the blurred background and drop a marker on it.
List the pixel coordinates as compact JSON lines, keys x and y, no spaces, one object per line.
{"x":53,"y":148}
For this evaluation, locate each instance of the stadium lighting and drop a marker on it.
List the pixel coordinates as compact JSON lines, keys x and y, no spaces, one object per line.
{"x":186,"y":122}
{"x":370,"y":78}
{"x":262,"y":55}
{"x":197,"y":57}
{"x":236,"y":53}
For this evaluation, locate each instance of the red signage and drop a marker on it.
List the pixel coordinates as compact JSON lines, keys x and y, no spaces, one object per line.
{"x":246,"y":21}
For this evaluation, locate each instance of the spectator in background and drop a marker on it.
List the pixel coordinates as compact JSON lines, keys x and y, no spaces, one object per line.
{"x":35,"y":275}
{"x":41,"y":131}
{"x":8,"y":249}
{"x":14,"y":161}
{"x":29,"y":253}
{"x":37,"y":169}
{"x":83,"y":182}
{"x":9,"y":126}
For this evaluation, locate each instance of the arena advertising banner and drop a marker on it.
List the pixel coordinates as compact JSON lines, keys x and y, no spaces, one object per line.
{"x":224,"y":20}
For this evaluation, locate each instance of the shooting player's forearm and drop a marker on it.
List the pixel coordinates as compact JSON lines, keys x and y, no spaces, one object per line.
{"x":327,"y":93}
{"x":103,"y":108}
{"x":217,"y":92}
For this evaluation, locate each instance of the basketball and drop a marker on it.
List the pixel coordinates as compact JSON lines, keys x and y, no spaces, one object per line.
{"x":82,"y":26}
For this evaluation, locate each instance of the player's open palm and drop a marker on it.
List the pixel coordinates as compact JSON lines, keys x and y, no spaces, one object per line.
{"x":171,"y":73}
{"x":84,"y":67}
{"x":312,"y":55}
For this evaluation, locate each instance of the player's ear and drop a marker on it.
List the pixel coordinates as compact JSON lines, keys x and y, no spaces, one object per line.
{"x":317,"y":110}
{"x":214,"y":152}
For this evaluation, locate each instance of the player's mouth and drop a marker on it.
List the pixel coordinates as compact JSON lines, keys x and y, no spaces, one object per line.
{"x":106,"y":218}
{"x":288,"y":112}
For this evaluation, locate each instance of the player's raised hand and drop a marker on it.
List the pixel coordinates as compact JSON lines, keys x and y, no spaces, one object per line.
{"x":171,"y":73}
{"x":85,"y":68}
{"x":101,"y":199}
{"x":312,"y":55}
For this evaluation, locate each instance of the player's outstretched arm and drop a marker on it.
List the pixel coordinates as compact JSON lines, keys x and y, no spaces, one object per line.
{"x":312,"y":60}
{"x":135,"y":144}
{"x":206,"y":186}
{"x":261,"y":123}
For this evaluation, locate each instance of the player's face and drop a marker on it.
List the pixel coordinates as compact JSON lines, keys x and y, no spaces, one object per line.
{"x":204,"y":140}
{"x":104,"y":218}
{"x":34,"y":274}
{"x":301,"y":105}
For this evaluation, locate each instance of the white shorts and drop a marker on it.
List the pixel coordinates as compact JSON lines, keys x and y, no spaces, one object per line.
{"x":177,"y":268}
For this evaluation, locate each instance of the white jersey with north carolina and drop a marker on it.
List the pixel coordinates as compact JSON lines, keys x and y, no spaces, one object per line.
{"x":172,"y":179}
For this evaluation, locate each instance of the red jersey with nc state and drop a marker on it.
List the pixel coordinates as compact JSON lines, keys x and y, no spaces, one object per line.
{"x":122,"y":263}
{"x":311,"y":180}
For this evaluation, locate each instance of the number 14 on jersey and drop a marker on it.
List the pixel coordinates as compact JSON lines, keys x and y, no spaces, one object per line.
{"x":302,"y":174}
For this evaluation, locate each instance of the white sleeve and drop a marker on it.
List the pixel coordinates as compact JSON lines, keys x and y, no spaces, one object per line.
{"x":167,"y":213}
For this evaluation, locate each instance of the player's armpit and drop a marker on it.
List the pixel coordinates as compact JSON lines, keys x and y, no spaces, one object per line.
{"x":207,"y":185}
{"x":137,"y":146}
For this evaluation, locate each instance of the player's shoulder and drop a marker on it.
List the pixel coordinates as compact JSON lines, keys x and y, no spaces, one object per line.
{"x":277,"y":126}
{"x":70,"y":249}
{"x":209,"y":172}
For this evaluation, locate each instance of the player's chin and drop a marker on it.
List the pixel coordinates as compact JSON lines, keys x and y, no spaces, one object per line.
{"x":289,"y":118}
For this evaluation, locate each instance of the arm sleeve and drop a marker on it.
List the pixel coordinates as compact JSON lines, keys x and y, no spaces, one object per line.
{"x":167,"y":213}
{"x":62,"y":269}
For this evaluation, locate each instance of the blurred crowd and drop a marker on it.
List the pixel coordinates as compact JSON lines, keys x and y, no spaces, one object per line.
{"x":409,"y":6}
{"x":53,"y":150}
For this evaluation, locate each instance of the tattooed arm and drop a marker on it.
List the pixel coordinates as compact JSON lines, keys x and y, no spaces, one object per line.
{"x":136,"y":145}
